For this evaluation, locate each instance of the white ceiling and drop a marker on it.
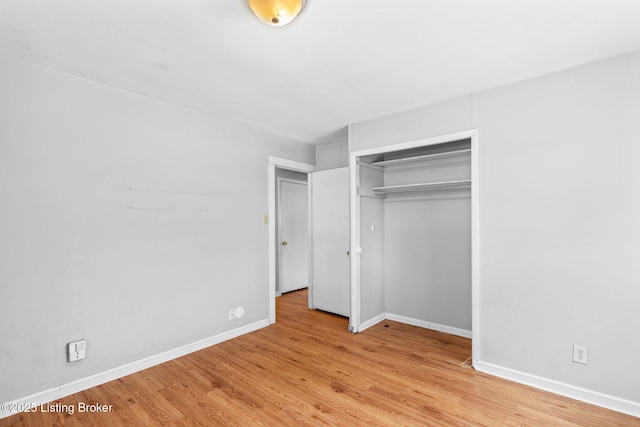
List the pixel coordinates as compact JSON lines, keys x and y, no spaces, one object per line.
{"x":340,"y":62}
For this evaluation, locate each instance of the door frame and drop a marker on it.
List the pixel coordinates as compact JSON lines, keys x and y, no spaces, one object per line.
{"x":272,"y":164}
{"x":355,"y":320}
{"x":279,"y":181}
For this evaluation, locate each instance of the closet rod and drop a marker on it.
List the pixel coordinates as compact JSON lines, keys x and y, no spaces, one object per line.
{"x":424,"y":186}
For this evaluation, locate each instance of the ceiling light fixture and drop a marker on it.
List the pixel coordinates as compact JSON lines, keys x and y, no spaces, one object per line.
{"x":277,"y":12}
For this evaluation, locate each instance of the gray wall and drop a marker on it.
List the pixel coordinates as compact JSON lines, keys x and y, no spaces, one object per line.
{"x":428,"y":244}
{"x":76,"y":262}
{"x":428,"y":259}
{"x":559,"y":208}
{"x":372,"y":242}
{"x":332,"y":154}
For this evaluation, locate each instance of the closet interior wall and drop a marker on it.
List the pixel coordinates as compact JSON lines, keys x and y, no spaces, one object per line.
{"x":416,"y":236}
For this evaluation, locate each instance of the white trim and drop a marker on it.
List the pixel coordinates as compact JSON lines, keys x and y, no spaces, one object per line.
{"x":475,"y":247}
{"x":414,"y":322}
{"x":451,"y":137}
{"x":563,"y":389}
{"x":310,"y":239}
{"x":271,"y":195}
{"x":429,"y":325}
{"x":274,"y":162}
{"x":354,"y":209}
{"x":374,"y":321}
{"x":113,"y":374}
{"x":291,"y":164}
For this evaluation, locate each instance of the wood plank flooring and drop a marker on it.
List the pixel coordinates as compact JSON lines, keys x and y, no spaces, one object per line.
{"x":307,"y":370}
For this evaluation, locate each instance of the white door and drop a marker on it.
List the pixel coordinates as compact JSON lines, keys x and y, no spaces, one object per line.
{"x":330,"y":219}
{"x":293,"y":235}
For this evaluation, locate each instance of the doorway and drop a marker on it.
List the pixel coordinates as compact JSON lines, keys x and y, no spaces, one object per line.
{"x":274,"y":165}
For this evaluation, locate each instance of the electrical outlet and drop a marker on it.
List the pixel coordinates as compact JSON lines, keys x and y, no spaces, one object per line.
{"x":232,"y":313}
{"x":580,"y":354}
{"x":77,"y":350}
{"x":239,"y":312}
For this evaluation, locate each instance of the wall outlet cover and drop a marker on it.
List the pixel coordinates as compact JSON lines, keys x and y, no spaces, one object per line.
{"x":581,"y":354}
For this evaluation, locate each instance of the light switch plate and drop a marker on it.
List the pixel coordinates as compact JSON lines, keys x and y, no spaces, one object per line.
{"x":77,"y":350}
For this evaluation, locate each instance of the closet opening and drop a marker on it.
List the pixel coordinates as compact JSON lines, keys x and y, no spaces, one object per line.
{"x":414,"y":216}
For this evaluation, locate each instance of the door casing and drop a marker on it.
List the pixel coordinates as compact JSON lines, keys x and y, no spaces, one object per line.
{"x":272,"y":164}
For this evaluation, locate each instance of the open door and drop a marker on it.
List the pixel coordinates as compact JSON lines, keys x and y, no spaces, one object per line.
{"x":330,"y":235}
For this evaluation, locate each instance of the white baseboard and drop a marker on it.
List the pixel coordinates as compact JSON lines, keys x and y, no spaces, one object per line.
{"x":95,"y":380}
{"x":578,"y":393}
{"x":429,"y":325}
{"x":369,"y":323}
{"x":415,"y":322}
{"x":589,"y":396}
{"x":600,"y":399}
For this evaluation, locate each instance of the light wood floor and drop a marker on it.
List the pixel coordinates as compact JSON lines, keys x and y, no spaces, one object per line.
{"x":308,"y":370}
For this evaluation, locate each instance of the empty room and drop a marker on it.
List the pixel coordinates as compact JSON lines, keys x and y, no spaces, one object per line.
{"x":319,"y":212}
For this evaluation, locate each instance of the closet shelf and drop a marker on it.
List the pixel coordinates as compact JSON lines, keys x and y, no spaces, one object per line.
{"x":426,"y":186}
{"x":414,"y":159}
